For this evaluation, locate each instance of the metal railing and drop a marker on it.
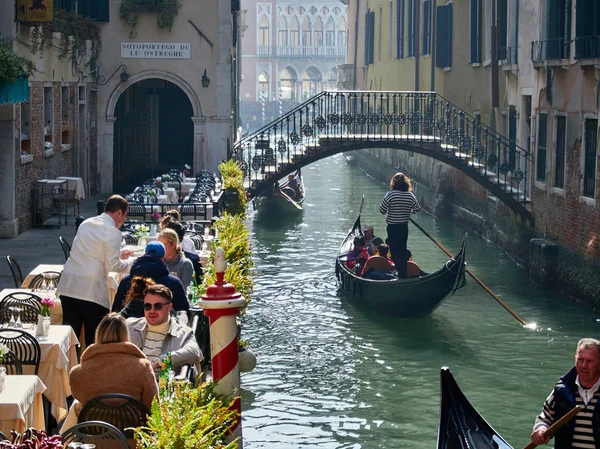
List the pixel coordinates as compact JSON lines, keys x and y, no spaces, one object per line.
{"x":587,"y":47}
{"x":550,"y":49}
{"x":311,"y":50}
{"x":337,"y":121}
{"x":508,"y":55}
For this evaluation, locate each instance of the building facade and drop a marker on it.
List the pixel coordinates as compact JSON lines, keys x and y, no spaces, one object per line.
{"x":290,"y":52}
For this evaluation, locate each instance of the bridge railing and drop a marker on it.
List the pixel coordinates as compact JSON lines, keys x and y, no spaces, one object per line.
{"x":335,"y":120}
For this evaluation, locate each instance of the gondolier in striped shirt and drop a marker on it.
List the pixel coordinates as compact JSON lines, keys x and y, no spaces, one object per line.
{"x":580,"y":386}
{"x":398,"y":205}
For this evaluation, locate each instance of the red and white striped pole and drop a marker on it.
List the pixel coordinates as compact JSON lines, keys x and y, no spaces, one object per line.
{"x":222,"y":303}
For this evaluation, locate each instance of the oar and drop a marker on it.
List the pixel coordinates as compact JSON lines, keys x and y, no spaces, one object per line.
{"x":287,"y":197}
{"x":549,"y":433}
{"x":475,"y":278}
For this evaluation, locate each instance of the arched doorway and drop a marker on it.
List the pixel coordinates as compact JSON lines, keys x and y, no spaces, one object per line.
{"x":153,"y":132}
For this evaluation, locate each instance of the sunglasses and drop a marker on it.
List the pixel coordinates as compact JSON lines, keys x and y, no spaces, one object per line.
{"x":158,"y":306}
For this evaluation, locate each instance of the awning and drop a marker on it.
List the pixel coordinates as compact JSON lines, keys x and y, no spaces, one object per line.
{"x":16,"y":92}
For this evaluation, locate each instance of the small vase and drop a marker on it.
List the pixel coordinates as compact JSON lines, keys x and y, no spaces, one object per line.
{"x":2,"y":377}
{"x":39,"y":330}
{"x":46,"y":325}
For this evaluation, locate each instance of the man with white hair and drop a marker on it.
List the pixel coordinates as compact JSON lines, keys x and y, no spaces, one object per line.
{"x":580,"y":386}
{"x":372,"y":241}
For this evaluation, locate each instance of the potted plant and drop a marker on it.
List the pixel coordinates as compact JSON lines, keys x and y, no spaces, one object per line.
{"x":32,"y":438}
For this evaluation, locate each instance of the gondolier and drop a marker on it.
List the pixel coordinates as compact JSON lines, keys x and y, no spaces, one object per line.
{"x":580,"y":386}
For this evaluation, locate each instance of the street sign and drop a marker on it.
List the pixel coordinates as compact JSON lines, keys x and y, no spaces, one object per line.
{"x":35,"y":10}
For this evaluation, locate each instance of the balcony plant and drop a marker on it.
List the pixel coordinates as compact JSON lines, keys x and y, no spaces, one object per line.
{"x":12,"y":66}
{"x":166,"y":10}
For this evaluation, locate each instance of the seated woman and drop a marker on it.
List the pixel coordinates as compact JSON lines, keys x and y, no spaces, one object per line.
{"x":379,"y":262}
{"x":412,"y":269}
{"x":133,"y":305}
{"x":113,"y":365}
{"x":179,"y":265}
{"x":359,"y":253}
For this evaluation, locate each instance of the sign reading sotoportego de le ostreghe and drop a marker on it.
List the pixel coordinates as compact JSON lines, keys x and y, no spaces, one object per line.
{"x":156,"y":50}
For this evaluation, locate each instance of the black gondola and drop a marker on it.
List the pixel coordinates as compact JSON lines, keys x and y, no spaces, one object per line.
{"x":461,"y":426}
{"x":283,"y":197}
{"x":401,"y":297}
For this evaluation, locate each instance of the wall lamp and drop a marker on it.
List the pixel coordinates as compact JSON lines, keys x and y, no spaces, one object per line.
{"x":205,"y":79}
{"x":101,"y":80}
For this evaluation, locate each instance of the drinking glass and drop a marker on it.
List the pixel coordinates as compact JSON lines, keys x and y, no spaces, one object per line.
{"x":18,"y":323}
{"x":12,"y":322}
{"x":182,"y":317}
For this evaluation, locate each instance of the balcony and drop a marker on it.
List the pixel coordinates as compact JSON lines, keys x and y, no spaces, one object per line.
{"x":263,"y":50}
{"x":587,"y":47}
{"x":302,"y":51}
{"x":556,"y":50}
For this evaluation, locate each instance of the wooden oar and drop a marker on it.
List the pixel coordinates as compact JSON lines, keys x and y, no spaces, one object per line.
{"x":549,"y":433}
{"x":288,"y":198}
{"x":475,"y":278}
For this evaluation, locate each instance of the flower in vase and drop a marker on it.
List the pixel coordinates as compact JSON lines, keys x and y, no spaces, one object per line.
{"x":155,"y":217}
{"x":158,"y":182}
{"x":3,"y":351}
{"x":186,"y":170}
{"x":141,"y":231}
{"x":166,"y":178}
{"x":47,"y":304}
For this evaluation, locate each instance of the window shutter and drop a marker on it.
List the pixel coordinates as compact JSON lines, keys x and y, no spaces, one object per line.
{"x":441,"y":31}
{"x":502,"y":29}
{"x":400,"y":29}
{"x":449,"y":18}
{"x":475,"y":31}
{"x":367,"y":36}
{"x":95,"y":9}
{"x":372,"y":49}
{"x":512,"y":136}
{"x":426,"y":45}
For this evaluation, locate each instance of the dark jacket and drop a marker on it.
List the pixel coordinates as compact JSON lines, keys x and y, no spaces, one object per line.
{"x":195,"y":258}
{"x":157,"y":270}
{"x":565,"y":392}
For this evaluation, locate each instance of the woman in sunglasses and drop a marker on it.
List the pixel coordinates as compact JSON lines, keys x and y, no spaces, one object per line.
{"x":158,"y":333}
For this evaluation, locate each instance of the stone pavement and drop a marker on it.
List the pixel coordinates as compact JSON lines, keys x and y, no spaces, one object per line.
{"x":41,"y":245}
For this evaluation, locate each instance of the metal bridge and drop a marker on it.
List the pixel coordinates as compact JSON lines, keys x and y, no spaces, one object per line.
{"x":422,"y":122}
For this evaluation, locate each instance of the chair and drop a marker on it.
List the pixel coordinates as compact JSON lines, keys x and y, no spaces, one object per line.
{"x":29,"y":304}
{"x":51,"y":277}
{"x":12,"y":364}
{"x":103,"y":435}
{"x":24,"y":345}
{"x":130,"y":239}
{"x":65,"y":247}
{"x":120,"y":410}
{"x":198,"y":240}
{"x":3,"y":437}
{"x":15,"y":269}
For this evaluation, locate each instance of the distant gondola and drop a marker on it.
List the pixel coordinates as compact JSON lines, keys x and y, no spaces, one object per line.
{"x":401,"y":297}
{"x":283,"y":198}
{"x":461,"y":426}
{"x":350,"y":159}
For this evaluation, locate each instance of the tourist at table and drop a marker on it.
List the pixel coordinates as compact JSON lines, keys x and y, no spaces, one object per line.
{"x":158,"y":333}
{"x":178,"y":264}
{"x":133,"y":306}
{"x":95,"y":252}
{"x":151,"y":265}
{"x":113,"y":365}
{"x":191,"y":255}
{"x":173,"y":216}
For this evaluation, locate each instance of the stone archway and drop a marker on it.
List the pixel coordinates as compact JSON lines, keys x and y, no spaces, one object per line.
{"x":105,"y":155}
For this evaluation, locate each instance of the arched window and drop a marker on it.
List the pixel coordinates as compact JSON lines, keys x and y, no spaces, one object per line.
{"x":295,"y":32}
{"x":263,"y":86}
{"x":288,"y":81}
{"x":282,"y":34}
{"x":341,"y":32}
{"x":311,"y":83}
{"x":306,"y":33}
{"x":330,"y":33}
{"x":263,"y":31}
{"x":318,"y":32}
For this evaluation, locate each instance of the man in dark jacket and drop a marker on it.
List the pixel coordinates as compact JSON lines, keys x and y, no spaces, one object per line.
{"x":151,"y":266}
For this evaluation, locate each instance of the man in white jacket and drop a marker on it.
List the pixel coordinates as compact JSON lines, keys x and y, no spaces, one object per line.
{"x":96,"y":250}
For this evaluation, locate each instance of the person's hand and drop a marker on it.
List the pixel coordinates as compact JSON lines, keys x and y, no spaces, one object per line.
{"x":126,"y":254}
{"x":538,"y":438}
{"x":155,"y":365}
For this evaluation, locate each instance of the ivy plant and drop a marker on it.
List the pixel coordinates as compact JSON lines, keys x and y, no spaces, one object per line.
{"x":166,"y":11}
{"x":13,"y":66}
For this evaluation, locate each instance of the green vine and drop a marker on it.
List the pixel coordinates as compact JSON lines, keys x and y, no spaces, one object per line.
{"x":166,"y":11}
{"x":75,"y":30}
{"x":13,"y":66}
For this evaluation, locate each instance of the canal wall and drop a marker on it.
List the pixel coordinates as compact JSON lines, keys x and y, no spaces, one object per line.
{"x":449,"y":193}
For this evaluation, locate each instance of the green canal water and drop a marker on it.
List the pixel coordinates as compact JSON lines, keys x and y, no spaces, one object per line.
{"x":332,"y":374}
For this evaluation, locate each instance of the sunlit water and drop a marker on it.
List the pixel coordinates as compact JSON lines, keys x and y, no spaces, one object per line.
{"x":331,"y":374}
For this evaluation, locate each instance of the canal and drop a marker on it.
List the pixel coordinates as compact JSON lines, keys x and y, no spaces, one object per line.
{"x":331,"y":374}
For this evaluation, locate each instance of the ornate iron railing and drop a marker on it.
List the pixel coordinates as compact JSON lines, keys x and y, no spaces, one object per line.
{"x":508,"y":55}
{"x":587,"y":47}
{"x":550,"y":49}
{"x":424,"y":122}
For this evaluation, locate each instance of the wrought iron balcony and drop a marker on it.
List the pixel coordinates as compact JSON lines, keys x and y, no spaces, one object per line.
{"x":508,"y":55}
{"x":301,"y":51}
{"x":550,"y":49}
{"x":587,"y":47}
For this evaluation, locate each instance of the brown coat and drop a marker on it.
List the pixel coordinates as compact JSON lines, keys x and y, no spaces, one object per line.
{"x":113,"y":368}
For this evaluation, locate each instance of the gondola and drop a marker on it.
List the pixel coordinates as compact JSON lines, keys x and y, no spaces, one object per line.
{"x":283,"y":198}
{"x":400,"y":297}
{"x":350,"y":159}
{"x":461,"y":426}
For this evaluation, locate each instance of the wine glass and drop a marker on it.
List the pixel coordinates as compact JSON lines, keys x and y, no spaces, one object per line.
{"x":12,"y":322}
{"x":18,"y":323}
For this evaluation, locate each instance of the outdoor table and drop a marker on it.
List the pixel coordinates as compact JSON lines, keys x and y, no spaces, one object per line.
{"x":76,"y":185}
{"x":187,"y":187}
{"x":162,"y":199}
{"x":21,"y":405}
{"x":172,"y":194}
{"x":56,"y":311}
{"x":59,"y":355}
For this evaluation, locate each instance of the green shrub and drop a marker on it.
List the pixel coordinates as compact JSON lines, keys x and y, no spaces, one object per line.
{"x":13,"y":66}
{"x":233,"y":183}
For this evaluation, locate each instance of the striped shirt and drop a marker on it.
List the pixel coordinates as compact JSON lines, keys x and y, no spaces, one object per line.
{"x":583,"y":436}
{"x":398,"y":206}
{"x":155,"y":336}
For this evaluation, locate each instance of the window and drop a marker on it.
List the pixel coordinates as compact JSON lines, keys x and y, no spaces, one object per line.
{"x":391,"y":31}
{"x":412,"y":25}
{"x":318,"y":34}
{"x":399,"y":29}
{"x":95,"y":9}
{"x":587,"y":29}
{"x":590,"y":157}
{"x":426,"y":42}
{"x":295,"y":33}
{"x":263,"y":31}
{"x":561,"y":141}
{"x":512,"y":137}
{"x":48,"y":114}
{"x":475,"y":32}
{"x":443,"y":56}
{"x":558,"y":29}
{"x":379,"y":34}
{"x":330,"y":33}
{"x":369,"y":36}
{"x":501,"y":29}
{"x":263,"y":86}
{"x":540,"y":167}
{"x":306,"y":33}
{"x":341,"y":38}
{"x":282,"y":33}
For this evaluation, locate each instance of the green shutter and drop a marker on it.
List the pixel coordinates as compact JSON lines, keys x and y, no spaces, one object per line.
{"x":96,"y":9}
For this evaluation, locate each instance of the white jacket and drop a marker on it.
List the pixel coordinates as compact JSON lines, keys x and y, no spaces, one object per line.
{"x":96,"y":251}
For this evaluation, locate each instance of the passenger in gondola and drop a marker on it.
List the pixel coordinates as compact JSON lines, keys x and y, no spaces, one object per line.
{"x":379,"y":266}
{"x":371,"y":240}
{"x":292,"y":183}
{"x":358,"y":255}
{"x":412,"y":268}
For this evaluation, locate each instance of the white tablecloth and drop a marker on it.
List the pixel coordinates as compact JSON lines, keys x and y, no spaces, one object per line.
{"x":172,"y":194}
{"x":21,"y":405}
{"x":56,"y":311}
{"x":75,"y":184}
{"x":42,"y":268}
{"x":187,"y":187}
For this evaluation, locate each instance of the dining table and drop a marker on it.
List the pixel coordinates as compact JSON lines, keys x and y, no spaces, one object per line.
{"x":21,"y":404}
{"x":56,"y":312}
{"x":76,"y":185}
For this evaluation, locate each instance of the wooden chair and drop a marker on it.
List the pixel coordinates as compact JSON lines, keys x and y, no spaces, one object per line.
{"x":120,"y":410}
{"x":103,"y":435}
{"x":24,"y":345}
{"x":65,"y":247}
{"x":15,"y":269}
